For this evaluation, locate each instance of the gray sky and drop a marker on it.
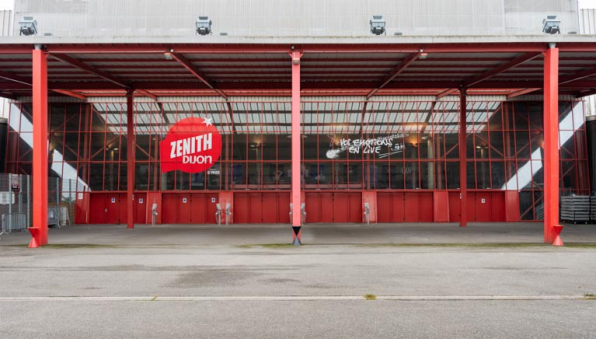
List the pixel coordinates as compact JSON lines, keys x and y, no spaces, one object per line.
{"x":587,"y":3}
{"x":6,"y":4}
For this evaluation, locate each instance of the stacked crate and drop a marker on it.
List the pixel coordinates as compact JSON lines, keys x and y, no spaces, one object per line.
{"x":578,"y":209}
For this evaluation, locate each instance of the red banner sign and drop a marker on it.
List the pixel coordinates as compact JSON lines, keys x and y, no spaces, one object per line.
{"x":192,"y":145}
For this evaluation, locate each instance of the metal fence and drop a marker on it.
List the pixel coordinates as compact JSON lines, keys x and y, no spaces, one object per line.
{"x":16,"y":202}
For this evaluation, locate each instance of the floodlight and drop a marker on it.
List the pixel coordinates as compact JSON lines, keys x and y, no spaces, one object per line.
{"x":551,"y":25}
{"x":377,"y":25}
{"x":203,"y":25}
{"x":28,"y":26}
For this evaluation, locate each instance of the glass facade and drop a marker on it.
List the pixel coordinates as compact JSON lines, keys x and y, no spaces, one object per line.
{"x":349,"y":145}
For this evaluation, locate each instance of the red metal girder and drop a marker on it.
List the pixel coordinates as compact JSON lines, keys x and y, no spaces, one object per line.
{"x":463,"y":178}
{"x":578,"y":76}
{"x":146,"y":93}
{"x":313,"y":48}
{"x":40,"y":149}
{"x":402,"y":66}
{"x":503,"y":68}
{"x":14,"y":78}
{"x":296,"y":173}
{"x":587,"y":93}
{"x":192,"y":69}
{"x":69,"y":93}
{"x":83,"y":66}
{"x":27,"y":82}
{"x":551,"y":144}
{"x":130,"y":158}
{"x":522,"y":92}
{"x":446,"y":93}
{"x":7,"y":95}
{"x":8,"y":49}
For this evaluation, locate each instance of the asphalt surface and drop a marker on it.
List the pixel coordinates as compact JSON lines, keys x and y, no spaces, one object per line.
{"x":109,"y":282}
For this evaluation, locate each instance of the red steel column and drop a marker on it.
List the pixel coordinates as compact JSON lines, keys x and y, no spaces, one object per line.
{"x":130,"y":159}
{"x":39,"y":230}
{"x":463,"y":177}
{"x":551,"y":144}
{"x":296,"y":175}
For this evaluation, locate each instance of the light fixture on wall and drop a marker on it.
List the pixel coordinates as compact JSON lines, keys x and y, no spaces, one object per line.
{"x":203,"y":25}
{"x":551,"y":25}
{"x":377,"y":25}
{"x":28,"y":26}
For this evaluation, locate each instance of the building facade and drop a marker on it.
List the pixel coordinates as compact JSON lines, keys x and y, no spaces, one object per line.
{"x":402,"y":149}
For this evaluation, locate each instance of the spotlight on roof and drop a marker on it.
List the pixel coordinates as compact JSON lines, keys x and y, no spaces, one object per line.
{"x":423,"y":55}
{"x":203,"y":25}
{"x":28,"y":26}
{"x":377,"y":25}
{"x":551,"y":25}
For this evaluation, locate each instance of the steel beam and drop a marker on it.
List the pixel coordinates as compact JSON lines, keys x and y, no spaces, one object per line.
{"x":446,"y":93}
{"x":23,"y":81}
{"x":577,"y":76}
{"x":181,"y":59}
{"x":40,"y":148}
{"x":90,"y":69}
{"x":70,"y":94}
{"x":130,"y":159}
{"x":463,"y":176}
{"x":521,"y":92}
{"x":551,"y":144}
{"x":296,"y":156}
{"x":402,"y":66}
{"x":503,"y":68}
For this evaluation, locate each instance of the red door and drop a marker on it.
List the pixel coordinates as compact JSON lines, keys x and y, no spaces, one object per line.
{"x":341,"y":207}
{"x":185,"y":208}
{"x":471,"y":207}
{"x":498,"y":207}
{"x":211,"y":201}
{"x":169,"y":209}
{"x":390,"y":207}
{"x":284,"y":208}
{"x":384,"y":208}
{"x":454,"y":207}
{"x":327,"y":205}
{"x":355,"y":207}
{"x":255,"y":208}
{"x":97,"y":208}
{"x":425,"y":206}
{"x":114,"y":210}
{"x":140,"y":206}
{"x":270,"y":208}
{"x":483,"y":206}
{"x":241,"y":209}
{"x":411,"y":207}
{"x":198,"y":211}
{"x":313,"y":207}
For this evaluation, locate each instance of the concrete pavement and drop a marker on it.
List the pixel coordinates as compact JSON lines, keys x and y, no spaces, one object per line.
{"x":486,"y":281}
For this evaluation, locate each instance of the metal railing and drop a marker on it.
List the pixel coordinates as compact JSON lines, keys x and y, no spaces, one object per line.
{"x":16,"y":202}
